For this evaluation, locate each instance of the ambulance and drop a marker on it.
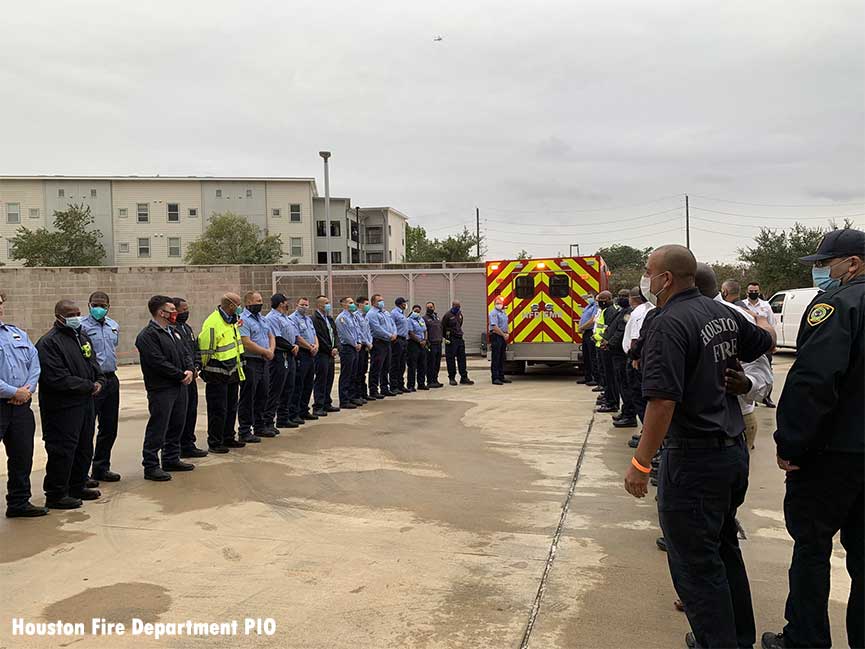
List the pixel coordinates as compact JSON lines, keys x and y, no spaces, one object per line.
{"x":544,"y":299}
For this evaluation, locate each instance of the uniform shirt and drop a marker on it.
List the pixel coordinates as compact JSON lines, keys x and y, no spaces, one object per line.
{"x":256,"y":329}
{"x":500,"y":318}
{"x":363,"y":327}
{"x":105,"y":336}
{"x":380,"y":324}
{"x":822,"y":405}
{"x":19,"y":361}
{"x":305,"y":328}
{"x":691,"y":343}
{"x":417,"y":326}
{"x":762,"y":308}
{"x":635,"y":324}
{"x":281,"y":326}
{"x":347,"y":329}
{"x":588,"y":313}
{"x":400,"y":322}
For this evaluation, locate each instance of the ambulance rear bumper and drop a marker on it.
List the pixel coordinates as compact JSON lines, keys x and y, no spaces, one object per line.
{"x":544,"y":352}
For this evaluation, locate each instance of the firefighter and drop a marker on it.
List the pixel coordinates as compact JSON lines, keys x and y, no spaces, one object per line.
{"x":434,"y":346}
{"x":188,"y":449}
{"x":609,"y":399}
{"x":360,"y":387}
{"x":416,"y":355}
{"x":455,"y":345}
{"x":398,"y":347}
{"x":325,"y":359}
{"x":258,"y":350}
{"x":614,"y":335}
{"x":283,"y":366}
{"x":350,"y":341}
{"x":305,"y":376}
{"x":383,"y":334}
{"x":498,"y":331}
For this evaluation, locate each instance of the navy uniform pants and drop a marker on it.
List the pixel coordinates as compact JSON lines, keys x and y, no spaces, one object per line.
{"x":611,"y":388}
{"x":284,"y":407}
{"x":588,"y":356}
{"x":824,"y":496}
{"x":497,"y":357}
{"x":325,"y":367}
{"x":302,"y":383}
{"x":433,"y":362}
{"x":416,"y":374}
{"x":68,"y":437}
{"x":699,"y":491}
{"x":187,"y":438}
{"x":253,"y":396}
{"x":635,"y":385}
{"x":277,"y":371}
{"x":167,"y":408}
{"x":597,"y":359}
{"x":107,"y":404}
{"x":379,"y":367}
{"x":455,"y":356}
{"x":17,"y":428}
{"x":620,"y":367}
{"x":360,"y":370}
{"x":347,"y":365}
{"x":398,"y":363}
{"x":221,"y":401}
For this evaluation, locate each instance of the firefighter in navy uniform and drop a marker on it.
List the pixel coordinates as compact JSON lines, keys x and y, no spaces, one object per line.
{"x":703,"y":475}
{"x":821,"y":445}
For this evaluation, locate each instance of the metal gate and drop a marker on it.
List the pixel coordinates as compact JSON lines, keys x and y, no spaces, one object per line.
{"x":417,"y":285}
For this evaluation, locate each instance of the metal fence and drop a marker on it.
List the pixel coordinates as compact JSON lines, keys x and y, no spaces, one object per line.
{"x":417,"y":285}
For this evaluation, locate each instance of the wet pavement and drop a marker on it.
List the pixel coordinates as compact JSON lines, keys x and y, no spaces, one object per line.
{"x":422,"y":521}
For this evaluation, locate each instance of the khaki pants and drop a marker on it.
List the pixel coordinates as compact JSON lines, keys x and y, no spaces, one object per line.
{"x":750,"y":429}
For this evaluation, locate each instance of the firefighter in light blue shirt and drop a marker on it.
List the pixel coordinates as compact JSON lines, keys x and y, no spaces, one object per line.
{"x":258,"y":350}
{"x":383,"y":334}
{"x":303,"y":381}
{"x":399,"y":347}
{"x":283,"y":367}
{"x":498,"y":333}
{"x":351,"y":339}
{"x":416,"y":354}
{"x":104,"y":335}
{"x":19,"y":376}
{"x":360,"y":316}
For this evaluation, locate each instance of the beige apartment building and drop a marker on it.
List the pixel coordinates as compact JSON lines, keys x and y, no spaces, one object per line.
{"x":150,"y":221}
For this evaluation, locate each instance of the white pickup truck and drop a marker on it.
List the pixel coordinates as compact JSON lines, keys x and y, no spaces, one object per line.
{"x":788,"y":307}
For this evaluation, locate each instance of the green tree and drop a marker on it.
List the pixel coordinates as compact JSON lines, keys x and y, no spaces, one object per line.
{"x":522,"y":254}
{"x":71,"y":243}
{"x":461,"y":247}
{"x":231,"y":239}
{"x":620,"y":256}
{"x":625,"y":277}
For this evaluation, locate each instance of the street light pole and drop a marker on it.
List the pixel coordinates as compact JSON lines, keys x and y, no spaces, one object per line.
{"x":324,"y":156}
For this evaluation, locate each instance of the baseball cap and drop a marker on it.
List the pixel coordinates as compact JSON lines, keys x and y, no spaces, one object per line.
{"x":400,"y":301}
{"x":838,"y":243}
{"x":277,"y":299}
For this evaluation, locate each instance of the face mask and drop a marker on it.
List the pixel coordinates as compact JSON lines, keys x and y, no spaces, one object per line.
{"x":171,"y":317}
{"x":590,"y":301}
{"x":603,"y":305}
{"x":646,"y":289}
{"x":455,"y":310}
{"x":230,"y":318}
{"x":753,"y":296}
{"x":366,"y":308}
{"x":499,"y":306}
{"x":182,"y":317}
{"x":823,"y":276}
{"x":98,"y":312}
{"x":301,"y":310}
{"x":380,"y":304}
{"x":254,"y":309}
{"x":415,"y":314}
{"x":430,"y":311}
{"x":73,"y":322}
{"x":352,"y":307}
{"x":624,"y":302}
{"x":327,"y":308}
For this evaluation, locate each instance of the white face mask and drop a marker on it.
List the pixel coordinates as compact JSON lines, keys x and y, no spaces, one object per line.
{"x":499,"y":306}
{"x":645,"y":289}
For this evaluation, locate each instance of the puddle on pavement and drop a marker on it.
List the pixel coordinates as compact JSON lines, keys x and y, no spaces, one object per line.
{"x":116,"y":603}
{"x":27,"y":537}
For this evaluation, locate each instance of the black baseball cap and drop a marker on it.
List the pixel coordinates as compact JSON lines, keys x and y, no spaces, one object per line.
{"x":400,"y":301}
{"x":838,"y":243}
{"x":277,"y":299}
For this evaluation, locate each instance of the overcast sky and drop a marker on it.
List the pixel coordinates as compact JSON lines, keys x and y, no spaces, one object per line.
{"x":535,"y":112}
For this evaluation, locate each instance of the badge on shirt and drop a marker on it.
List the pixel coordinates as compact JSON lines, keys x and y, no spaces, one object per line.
{"x":819,"y":313}
{"x":87,"y":350}
{"x":16,"y":336}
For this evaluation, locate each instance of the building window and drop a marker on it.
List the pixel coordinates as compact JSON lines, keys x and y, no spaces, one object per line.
{"x":123,"y":248}
{"x":295,"y":213}
{"x":275,"y":212}
{"x":13,"y":213}
{"x":173,"y":213}
{"x":144,"y":247}
{"x":34,"y":212}
{"x":218,"y":193}
{"x":10,"y":244}
{"x":173,"y":246}
{"x":374,"y":234}
{"x":355,"y":256}
{"x":92,"y":193}
{"x":374,"y":257}
{"x":61,"y":193}
{"x":249,"y":193}
{"x":122,"y":212}
{"x":296,"y":245}
{"x":322,"y":257}
{"x":143,"y":211}
{"x":335,"y":228}
{"x":336,"y":257}
{"x":319,"y":229}
{"x":193,"y":212}
{"x":354,"y":232}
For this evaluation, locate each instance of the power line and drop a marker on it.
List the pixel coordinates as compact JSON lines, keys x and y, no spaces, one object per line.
{"x":617,"y":221}
{"x":571,"y":211}
{"x":723,"y":234}
{"x":735,"y":225}
{"x":565,"y":230}
{"x":593,"y":243}
{"x":780,"y":218}
{"x":724,"y":200}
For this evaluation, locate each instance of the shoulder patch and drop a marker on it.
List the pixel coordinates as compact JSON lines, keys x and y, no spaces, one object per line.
{"x":819,"y":313}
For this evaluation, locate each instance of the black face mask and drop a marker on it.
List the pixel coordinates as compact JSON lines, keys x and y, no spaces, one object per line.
{"x":430,"y":311}
{"x":624,"y":302}
{"x":182,"y":317}
{"x":603,"y":305}
{"x":754,"y":296}
{"x":254,"y":309}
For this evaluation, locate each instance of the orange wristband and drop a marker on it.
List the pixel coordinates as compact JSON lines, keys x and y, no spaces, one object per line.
{"x":639,"y":467}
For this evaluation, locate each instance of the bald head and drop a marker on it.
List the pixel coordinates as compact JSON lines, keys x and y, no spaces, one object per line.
{"x":730,"y":290}
{"x":66,"y":309}
{"x":671,"y":270}
{"x":229,"y":302}
{"x":706,"y":280}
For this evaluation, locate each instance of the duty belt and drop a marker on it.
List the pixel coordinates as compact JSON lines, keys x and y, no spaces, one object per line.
{"x":702,"y":442}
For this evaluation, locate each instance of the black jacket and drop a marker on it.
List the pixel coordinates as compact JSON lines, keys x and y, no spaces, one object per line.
{"x":69,"y":368}
{"x":164,"y":357}
{"x":433,"y":328}
{"x":615,"y":332}
{"x":325,"y":343}
{"x":190,"y":343}
{"x":452,"y":325}
{"x":822,"y":406}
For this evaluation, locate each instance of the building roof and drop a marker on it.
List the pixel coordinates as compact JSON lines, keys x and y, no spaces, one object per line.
{"x":389,"y":209}
{"x":157,"y":177}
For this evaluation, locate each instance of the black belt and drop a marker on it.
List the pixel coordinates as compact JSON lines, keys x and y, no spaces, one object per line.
{"x":702,"y":442}
{"x":110,"y":373}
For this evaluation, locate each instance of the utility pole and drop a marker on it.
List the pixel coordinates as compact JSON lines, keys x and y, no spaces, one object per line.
{"x":478,"y":230}
{"x":325,"y":155}
{"x":687,"y":224}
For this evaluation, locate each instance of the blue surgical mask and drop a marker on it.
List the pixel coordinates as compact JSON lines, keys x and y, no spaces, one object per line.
{"x":590,"y":301}
{"x":366,"y":308}
{"x":327,"y":308}
{"x":98,"y":312}
{"x":380,"y":304}
{"x":352,"y":307}
{"x":73,"y":322}
{"x":455,"y":310}
{"x":822,"y":276}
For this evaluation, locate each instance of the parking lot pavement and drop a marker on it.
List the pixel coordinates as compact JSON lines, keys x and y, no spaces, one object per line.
{"x":421,"y":521}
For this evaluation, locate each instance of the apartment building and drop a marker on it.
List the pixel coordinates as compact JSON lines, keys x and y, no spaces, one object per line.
{"x":151,"y":220}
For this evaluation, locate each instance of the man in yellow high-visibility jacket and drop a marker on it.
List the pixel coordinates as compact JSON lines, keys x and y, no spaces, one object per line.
{"x":222,"y":371}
